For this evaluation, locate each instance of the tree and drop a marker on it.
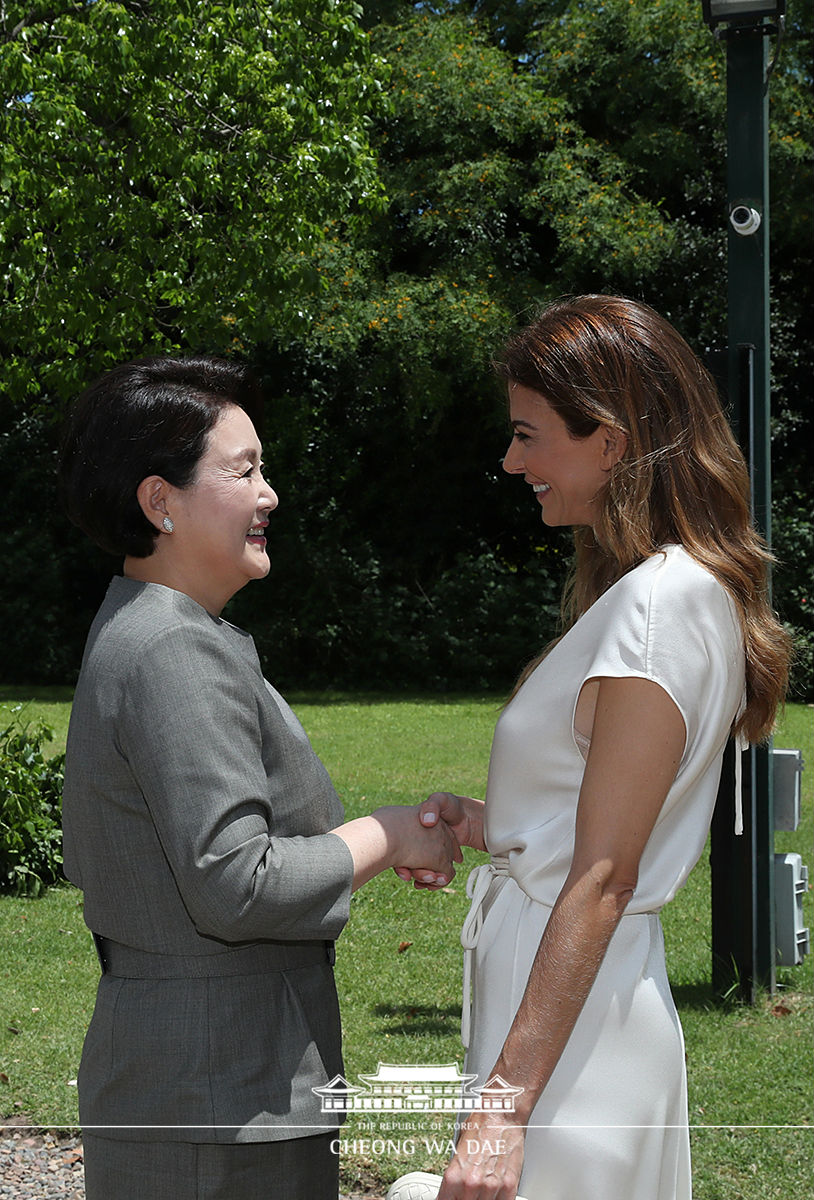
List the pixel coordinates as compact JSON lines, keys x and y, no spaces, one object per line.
{"x":166,"y":168}
{"x":527,"y":149}
{"x":581,"y":150}
{"x":394,"y":428}
{"x":650,"y":81}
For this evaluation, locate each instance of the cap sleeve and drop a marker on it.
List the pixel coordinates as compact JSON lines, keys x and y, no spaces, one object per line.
{"x":674,"y":624}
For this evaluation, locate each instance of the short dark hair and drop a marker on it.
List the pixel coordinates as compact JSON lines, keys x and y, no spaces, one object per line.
{"x":147,"y":417}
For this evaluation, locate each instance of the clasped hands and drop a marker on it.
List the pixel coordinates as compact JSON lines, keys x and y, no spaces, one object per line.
{"x":458,"y":821}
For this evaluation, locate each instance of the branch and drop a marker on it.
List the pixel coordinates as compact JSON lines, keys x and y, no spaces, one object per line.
{"x":40,"y":18}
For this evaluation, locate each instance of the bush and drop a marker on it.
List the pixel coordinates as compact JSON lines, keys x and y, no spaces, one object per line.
{"x":53,"y":579}
{"x":793,"y":544}
{"x":30,"y":804}
{"x":342,"y":620}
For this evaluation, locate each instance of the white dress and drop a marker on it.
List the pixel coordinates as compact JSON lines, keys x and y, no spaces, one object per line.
{"x":612,"y":1121}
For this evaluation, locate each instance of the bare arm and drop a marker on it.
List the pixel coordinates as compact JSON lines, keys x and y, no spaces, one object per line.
{"x":392,"y":836}
{"x":636,"y":746}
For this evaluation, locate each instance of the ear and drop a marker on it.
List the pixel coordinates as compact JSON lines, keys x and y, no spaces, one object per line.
{"x":614,"y":445}
{"x":152,"y":494}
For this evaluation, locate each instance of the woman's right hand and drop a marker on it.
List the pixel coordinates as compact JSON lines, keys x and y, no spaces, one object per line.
{"x":393,"y":837}
{"x":462,"y":814}
{"x":426,"y":849}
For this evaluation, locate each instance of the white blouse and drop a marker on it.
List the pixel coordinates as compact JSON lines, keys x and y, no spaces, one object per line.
{"x":670,"y":621}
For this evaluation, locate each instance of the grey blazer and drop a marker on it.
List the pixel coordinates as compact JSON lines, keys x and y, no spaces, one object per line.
{"x":196,"y":818}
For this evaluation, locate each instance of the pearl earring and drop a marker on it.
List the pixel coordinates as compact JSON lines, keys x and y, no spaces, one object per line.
{"x":168,"y":524}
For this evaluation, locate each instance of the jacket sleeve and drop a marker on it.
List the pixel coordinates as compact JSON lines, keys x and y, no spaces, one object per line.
{"x":240,"y":808}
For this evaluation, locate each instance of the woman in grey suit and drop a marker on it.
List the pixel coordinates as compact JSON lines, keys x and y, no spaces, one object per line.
{"x":198,"y":821}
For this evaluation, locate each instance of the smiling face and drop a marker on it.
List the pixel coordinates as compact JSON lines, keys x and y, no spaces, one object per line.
{"x":568,"y":474}
{"x":217,"y":543}
{"x":220,"y":520}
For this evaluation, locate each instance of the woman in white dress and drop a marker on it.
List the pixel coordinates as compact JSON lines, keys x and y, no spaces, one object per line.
{"x":606,"y":760}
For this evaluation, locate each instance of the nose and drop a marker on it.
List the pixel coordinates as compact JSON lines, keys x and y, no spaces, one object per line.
{"x":513,"y":459}
{"x":268,"y":497}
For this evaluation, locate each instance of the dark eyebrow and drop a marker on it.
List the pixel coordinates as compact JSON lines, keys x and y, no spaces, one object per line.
{"x":525,"y":424}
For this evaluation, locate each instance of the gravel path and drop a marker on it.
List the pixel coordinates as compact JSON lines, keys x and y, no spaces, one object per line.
{"x":37,"y":1164}
{"x":40,"y":1165}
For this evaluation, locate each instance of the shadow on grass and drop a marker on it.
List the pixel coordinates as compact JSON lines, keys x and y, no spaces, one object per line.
{"x":700,"y":996}
{"x":417,"y":1018}
{"x":429,"y":1019}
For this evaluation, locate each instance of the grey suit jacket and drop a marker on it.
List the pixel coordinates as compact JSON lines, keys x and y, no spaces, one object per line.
{"x":196,"y":818}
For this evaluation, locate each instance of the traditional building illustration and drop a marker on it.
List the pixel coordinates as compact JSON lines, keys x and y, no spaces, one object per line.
{"x":412,"y":1088}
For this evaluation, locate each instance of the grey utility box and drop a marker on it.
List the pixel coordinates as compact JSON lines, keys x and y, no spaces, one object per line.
{"x":787,"y":767}
{"x":790,"y":885}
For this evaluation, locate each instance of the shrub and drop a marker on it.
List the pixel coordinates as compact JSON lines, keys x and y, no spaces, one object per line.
{"x":30,"y":804}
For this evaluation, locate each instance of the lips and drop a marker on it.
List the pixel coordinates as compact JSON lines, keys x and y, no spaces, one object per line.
{"x":257,"y":534}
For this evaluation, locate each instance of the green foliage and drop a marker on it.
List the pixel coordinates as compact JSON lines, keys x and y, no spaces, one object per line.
{"x":511,"y":176}
{"x":793,"y":546}
{"x":474,"y":626}
{"x":196,"y":175}
{"x":488,"y":168}
{"x":30,"y":805}
{"x":52,"y":579}
{"x":165,"y":169}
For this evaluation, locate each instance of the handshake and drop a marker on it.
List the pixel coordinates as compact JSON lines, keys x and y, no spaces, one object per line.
{"x":431,"y":836}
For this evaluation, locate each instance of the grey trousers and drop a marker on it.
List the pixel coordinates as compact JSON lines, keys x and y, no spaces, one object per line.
{"x":298,"y":1169}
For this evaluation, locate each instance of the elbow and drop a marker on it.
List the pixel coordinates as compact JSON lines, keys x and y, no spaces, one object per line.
{"x":237,"y":925}
{"x":618,"y":892}
{"x":222,"y":923}
{"x":220,"y":907}
{"x":617,"y":888}
{"x":609,"y":885}
{"x":231,"y":917}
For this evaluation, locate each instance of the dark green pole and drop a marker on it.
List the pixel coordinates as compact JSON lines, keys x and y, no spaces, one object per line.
{"x":743,"y":937}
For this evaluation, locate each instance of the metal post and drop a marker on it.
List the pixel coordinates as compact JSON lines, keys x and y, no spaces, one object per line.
{"x":743,"y":938}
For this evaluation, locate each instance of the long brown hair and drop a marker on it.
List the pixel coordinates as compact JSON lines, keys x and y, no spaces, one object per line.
{"x":604,"y":360}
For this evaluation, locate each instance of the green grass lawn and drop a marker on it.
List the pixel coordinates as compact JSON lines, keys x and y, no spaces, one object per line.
{"x":399,"y":968}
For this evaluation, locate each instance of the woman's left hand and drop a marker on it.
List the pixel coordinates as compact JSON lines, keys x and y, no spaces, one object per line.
{"x":488,"y":1159}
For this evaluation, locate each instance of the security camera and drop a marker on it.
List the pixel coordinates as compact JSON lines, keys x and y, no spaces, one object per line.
{"x":744,"y":220}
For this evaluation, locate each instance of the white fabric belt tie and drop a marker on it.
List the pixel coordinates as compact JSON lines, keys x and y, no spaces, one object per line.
{"x":741,"y":745}
{"x":477,"y":886}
